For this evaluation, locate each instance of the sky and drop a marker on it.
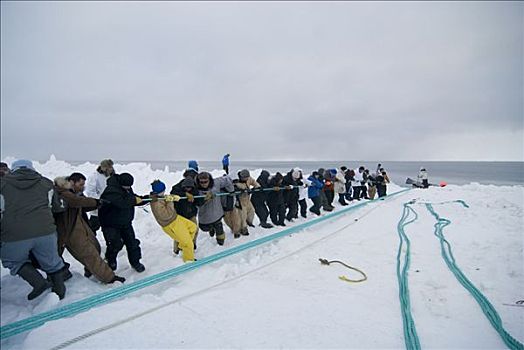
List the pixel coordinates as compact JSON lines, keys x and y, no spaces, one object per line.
{"x":263,"y":80}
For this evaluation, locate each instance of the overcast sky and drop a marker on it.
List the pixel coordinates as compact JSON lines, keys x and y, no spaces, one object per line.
{"x":262,"y":80}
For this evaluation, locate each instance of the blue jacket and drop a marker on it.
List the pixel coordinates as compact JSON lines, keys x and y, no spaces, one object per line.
{"x":315,"y":188}
{"x":225,"y":160}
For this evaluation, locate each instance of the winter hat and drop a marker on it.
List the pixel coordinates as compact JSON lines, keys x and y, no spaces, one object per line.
{"x":125,"y":179}
{"x":158,"y":186}
{"x":188,"y":182}
{"x":106,"y":163}
{"x":22,"y":163}
{"x":333,"y":172}
{"x":243,"y":174}
{"x":193,"y":164}
{"x":3,"y":165}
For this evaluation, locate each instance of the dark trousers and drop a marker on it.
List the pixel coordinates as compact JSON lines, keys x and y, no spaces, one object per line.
{"x":277,"y":212}
{"x":323,"y":200}
{"x":215,"y":228}
{"x":94,"y":223}
{"x":348,"y":193}
{"x":330,"y":195}
{"x":381,"y":190}
{"x":360,"y":192}
{"x":226,"y":169}
{"x":316,"y":205}
{"x":292,"y":209}
{"x":303,"y":207}
{"x":116,"y":238}
{"x":425,"y":183}
{"x":260,"y":209}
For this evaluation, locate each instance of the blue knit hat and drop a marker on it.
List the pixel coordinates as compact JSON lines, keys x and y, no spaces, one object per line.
{"x":193,"y":164}
{"x":22,"y":163}
{"x":158,"y":186}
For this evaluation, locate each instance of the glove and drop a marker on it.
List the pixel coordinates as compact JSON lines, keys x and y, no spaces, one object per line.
{"x":138,"y":200}
{"x":117,"y":278}
{"x":276,"y":188}
{"x":172,"y":198}
{"x":190,"y":197}
{"x":289,"y":187}
{"x":210,"y":195}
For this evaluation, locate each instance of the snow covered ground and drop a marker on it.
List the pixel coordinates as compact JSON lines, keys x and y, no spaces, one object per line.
{"x":278,"y":295}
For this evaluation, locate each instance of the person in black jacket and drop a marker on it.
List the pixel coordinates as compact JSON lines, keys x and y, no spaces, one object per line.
{"x":275,"y":200}
{"x":186,"y":208}
{"x":116,"y":218}
{"x":291,"y":195}
{"x":259,"y":199}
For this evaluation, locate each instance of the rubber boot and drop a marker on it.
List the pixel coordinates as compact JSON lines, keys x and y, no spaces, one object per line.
{"x":35,"y":279}
{"x":58,"y":283}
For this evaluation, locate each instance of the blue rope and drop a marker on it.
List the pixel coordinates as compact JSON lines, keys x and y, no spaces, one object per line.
{"x":486,"y":306}
{"x":118,"y":292}
{"x":410,"y":331}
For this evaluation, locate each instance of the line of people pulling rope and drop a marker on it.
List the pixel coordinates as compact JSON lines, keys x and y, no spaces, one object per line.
{"x":41,"y":218}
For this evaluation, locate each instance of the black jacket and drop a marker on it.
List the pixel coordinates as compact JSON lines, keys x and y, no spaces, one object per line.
{"x":261,"y":196}
{"x":275,"y":198}
{"x":120,"y":211}
{"x":290,"y":195}
{"x":185,"y":207}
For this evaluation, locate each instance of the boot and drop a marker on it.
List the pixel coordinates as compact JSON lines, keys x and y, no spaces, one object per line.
{"x":236,"y":235}
{"x":139,"y":267}
{"x":58,"y":283}
{"x":117,"y":278}
{"x":35,"y":279}
{"x":250,"y":224}
{"x":244,"y":232}
{"x":266,"y":225}
{"x":87,"y":273}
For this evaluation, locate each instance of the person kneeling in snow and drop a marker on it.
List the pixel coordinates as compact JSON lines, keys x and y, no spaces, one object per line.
{"x":175,"y":226}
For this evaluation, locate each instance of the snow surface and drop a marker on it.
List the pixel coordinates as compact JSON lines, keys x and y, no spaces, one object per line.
{"x":278,"y":295}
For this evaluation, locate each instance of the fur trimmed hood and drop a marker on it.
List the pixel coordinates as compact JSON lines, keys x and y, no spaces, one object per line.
{"x":62,"y":182}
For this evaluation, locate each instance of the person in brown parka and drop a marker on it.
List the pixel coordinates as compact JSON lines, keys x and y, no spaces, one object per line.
{"x":74,"y":231}
{"x":247,"y":212}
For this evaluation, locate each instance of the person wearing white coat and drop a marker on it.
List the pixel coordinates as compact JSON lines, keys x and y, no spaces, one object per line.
{"x":303,"y":194}
{"x":95,"y":185}
{"x":359,"y":189}
{"x":340,"y":185}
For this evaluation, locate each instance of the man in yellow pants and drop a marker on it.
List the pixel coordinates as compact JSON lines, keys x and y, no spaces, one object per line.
{"x":175,"y":226}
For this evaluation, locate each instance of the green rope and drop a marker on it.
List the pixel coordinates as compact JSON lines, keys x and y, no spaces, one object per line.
{"x":83,"y":305}
{"x":410,"y":331}
{"x":486,"y":306}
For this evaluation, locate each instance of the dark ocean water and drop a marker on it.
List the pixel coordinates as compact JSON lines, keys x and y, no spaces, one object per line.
{"x":459,"y":173}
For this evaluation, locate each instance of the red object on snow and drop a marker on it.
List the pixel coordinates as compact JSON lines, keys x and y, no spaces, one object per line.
{"x":443,"y":183}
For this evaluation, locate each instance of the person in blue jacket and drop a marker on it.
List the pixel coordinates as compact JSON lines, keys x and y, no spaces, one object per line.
{"x":225,"y":163}
{"x":314,"y":192}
